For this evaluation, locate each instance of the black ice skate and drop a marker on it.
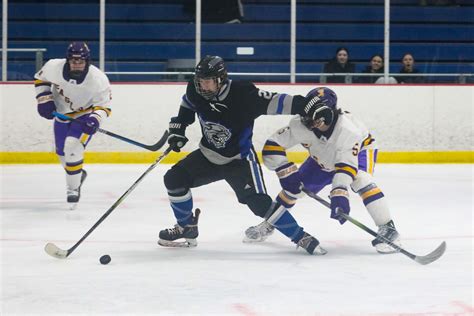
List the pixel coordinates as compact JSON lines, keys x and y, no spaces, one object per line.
{"x":73,"y":196}
{"x":189,"y":232}
{"x":389,"y":232}
{"x":311,"y":245}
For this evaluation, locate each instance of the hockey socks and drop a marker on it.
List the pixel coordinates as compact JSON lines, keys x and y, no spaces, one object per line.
{"x":282,"y":220}
{"x":182,"y":205}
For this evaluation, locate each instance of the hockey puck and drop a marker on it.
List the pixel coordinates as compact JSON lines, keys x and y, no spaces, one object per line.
{"x":105,"y":259}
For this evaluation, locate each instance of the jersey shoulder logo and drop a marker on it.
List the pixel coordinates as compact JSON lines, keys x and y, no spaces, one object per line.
{"x":215,"y":105}
{"x":282,"y":130}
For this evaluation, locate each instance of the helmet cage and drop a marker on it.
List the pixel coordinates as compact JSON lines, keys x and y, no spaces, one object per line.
{"x":207,"y":94}
{"x":323,"y":113}
{"x":325,"y":107}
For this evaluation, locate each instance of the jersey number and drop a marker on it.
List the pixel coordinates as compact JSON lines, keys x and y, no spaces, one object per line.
{"x":355,"y":149}
{"x":264,"y":94}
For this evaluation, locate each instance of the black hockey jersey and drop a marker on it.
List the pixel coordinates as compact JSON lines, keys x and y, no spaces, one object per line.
{"x":227,"y":121}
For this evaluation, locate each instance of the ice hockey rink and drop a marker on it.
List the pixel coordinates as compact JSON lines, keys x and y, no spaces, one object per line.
{"x":222,"y":275}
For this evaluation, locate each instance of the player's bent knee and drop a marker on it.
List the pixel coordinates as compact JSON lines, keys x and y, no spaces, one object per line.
{"x":73,"y":149}
{"x":362,"y":180}
{"x":259,"y":204}
{"x":176,"y":178}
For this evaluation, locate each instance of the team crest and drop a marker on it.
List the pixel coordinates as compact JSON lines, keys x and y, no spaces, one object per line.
{"x":216,"y":134}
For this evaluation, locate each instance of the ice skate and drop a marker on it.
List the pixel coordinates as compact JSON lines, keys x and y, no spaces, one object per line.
{"x":388,"y":231}
{"x":311,"y":245}
{"x":258,"y":233}
{"x":73,"y":196}
{"x":189,"y":233}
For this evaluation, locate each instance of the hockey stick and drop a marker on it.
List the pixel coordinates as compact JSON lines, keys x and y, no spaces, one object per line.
{"x":154,"y":147}
{"x":432,"y":256}
{"x":53,"y":250}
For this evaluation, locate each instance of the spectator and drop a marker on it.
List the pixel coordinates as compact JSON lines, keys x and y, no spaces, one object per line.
{"x":339,"y":64}
{"x":375,"y":67}
{"x":217,"y":11}
{"x":409,"y":68}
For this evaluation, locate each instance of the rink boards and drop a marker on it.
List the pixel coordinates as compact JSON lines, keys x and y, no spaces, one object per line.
{"x":412,"y":124}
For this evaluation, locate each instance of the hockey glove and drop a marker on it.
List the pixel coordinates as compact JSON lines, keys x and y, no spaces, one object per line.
{"x":290,"y":178}
{"x":339,"y":203}
{"x":46,"y":109}
{"x":90,"y":124}
{"x":176,"y":139}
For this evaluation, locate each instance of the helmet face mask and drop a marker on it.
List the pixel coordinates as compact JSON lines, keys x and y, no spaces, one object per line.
{"x":210,"y":68}
{"x":76,"y":67}
{"x":307,"y":122}
{"x":323,"y":110}
{"x":323,"y":116}
{"x":78,"y":59}
{"x":208,"y":88}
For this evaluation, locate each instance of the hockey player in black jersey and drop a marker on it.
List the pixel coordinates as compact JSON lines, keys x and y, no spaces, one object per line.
{"x":226,"y":111}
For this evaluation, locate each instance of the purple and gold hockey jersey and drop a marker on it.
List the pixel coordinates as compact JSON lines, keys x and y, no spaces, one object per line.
{"x":71,"y":97}
{"x":342,"y":150}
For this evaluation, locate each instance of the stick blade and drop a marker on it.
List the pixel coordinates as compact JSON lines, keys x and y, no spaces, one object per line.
{"x":432,"y":256}
{"x":54,"y":251}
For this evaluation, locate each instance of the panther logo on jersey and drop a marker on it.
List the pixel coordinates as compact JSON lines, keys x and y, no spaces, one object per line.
{"x":216,"y":134}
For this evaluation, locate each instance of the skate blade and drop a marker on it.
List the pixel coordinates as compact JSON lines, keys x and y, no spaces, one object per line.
{"x":386,"y":249}
{"x":189,"y":243}
{"x":387,"y":252}
{"x":247,"y":240}
{"x":319,"y":251}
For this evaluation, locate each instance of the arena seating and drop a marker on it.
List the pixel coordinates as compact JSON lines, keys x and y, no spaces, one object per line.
{"x":144,"y":35}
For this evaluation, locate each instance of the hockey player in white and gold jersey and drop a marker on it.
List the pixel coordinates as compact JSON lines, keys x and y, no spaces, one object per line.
{"x":73,"y":87}
{"x":342,"y":154}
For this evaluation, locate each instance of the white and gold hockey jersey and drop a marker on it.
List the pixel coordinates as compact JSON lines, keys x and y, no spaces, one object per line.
{"x":337,"y":151}
{"x":71,"y":97}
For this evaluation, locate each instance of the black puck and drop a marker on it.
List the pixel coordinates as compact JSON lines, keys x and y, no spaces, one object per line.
{"x":105,"y":259}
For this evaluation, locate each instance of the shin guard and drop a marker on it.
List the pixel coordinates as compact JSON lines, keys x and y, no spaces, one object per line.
{"x":182,"y":205}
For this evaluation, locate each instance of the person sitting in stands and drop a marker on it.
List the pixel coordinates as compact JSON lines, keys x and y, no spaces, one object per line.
{"x":408,"y":67}
{"x":375,"y":67}
{"x":339,"y":64}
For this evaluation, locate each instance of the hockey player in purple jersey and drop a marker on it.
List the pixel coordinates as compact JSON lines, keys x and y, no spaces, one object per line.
{"x":226,"y":110}
{"x":342,"y":155}
{"x":75,"y":88}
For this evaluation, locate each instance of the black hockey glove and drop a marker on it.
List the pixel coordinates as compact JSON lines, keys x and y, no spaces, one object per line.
{"x":176,"y":139}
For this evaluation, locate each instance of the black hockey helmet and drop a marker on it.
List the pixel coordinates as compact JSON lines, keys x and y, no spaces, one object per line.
{"x":210,"y":67}
{"x":322,"y":104}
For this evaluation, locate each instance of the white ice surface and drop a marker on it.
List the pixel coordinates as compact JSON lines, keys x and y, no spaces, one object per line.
{"x":223,"y":276}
